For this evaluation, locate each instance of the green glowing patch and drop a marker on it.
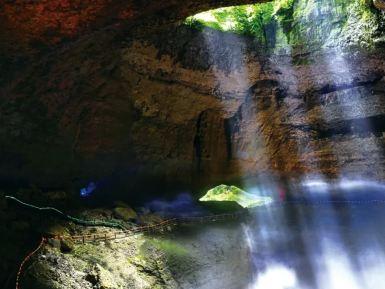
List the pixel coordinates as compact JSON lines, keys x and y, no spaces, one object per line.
{"x":232,"y":193}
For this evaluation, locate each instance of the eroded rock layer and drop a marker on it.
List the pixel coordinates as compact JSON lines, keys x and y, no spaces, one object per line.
{"x":191,"y":107}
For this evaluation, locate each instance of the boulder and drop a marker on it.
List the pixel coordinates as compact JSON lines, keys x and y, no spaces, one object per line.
{"x":55,"y":243}
{"x":150,"y":219}
{"x":101,"y":278}
{"x":66,"y":245}
{"x":379,"y":4}
{"x":125,"y":213}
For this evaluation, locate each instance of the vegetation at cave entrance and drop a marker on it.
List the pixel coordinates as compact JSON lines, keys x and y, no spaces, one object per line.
{"x":299,"y":23}
{"x":246,"y":19}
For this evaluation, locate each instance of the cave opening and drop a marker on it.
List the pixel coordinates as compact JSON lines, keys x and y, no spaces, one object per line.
{"x":241,"y":147}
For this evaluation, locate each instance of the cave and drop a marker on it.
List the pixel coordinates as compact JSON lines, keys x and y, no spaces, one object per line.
{"x":202,"y":144}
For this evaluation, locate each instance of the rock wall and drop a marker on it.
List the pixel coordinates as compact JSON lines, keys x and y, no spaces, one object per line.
{"x":188,"y":107}
{"x":307,"y":26}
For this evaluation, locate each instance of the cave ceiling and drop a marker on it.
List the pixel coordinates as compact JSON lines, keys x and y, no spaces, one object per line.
{"x":29,"y":26}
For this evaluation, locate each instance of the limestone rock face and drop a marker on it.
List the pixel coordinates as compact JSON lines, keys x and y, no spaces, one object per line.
{"x":102,"y":266}
{"x":178,"y":261}
{"x":101,"y":278}
{"x":189,"y":108}
{"x":35,"y":26}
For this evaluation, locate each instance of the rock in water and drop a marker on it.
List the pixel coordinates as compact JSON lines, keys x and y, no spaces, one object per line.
{"x":232,"y":193}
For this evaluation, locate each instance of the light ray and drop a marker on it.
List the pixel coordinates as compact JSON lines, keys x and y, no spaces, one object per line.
{"x":321,"y":235}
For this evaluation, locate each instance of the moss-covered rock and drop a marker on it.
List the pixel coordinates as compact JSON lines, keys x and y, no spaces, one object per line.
{"x":66,"y":245}
{"x":162,"y":259}
{"x":101,"y":278}
{"x":285,"y":26}
{"x":150,"y":219}
{"x":125,"y":213}
{"x":135,"y":262}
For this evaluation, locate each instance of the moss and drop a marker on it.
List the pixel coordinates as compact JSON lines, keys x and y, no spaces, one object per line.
{"x":165,"y":247}
{"x":162,"y":259}
{"x":251,"y":20}
{"x":166,"y":253}
{"x":40,"y":277}
{"x":292,"y":25}
{"x":194,"y":23}
{"x":284,"y":13}
{"x":89,"y":253}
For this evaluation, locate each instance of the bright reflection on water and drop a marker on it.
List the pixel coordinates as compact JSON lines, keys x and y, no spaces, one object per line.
{"x":322,"y":236}
{"x":327,"y":246}
{"x":276,"y":277}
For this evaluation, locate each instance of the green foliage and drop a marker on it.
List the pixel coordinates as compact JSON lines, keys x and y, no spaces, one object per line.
{"x":194,"y":23}
{"x":298,"y":25}
{"x":173,"y":255}
{"x":253,"y":20}
{"x":248,"y":20}
{"x":283,"y":11}
{"x":283,"y":7}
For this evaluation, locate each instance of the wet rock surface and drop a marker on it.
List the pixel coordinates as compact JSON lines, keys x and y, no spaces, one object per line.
{"x":146,"y":108}
{"x":191,"y":260}
{"x":151,"y":100}
{"x":180,"y":258}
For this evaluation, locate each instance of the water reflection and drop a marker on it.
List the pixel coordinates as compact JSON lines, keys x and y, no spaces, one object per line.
{"x":327,"y":246}
{"x":274,"y":276}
